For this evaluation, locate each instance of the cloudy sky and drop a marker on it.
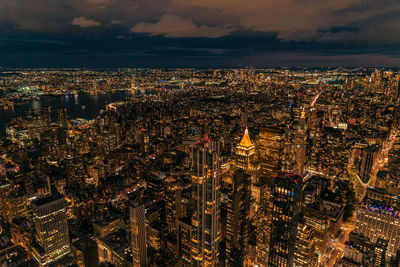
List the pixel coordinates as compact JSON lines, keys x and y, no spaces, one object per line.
{"x":199,"y":33}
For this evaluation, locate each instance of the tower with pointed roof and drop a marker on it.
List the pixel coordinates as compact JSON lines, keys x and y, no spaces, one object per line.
{"x":245,"y":153}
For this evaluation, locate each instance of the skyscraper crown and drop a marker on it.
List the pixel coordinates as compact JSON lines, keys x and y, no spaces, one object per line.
{"x":246,"y":142}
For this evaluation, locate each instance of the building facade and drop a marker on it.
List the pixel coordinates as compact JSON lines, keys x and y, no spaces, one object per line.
{"x":237,"y":224}
{"x":51,"y":240}
{"x":138,"y":234}
{"x":206,"y":204}
{"x":245,"y":153}
{"x":286,"y":196}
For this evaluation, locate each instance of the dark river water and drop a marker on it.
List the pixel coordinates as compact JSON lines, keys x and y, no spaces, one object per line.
{"x":78,"y":106}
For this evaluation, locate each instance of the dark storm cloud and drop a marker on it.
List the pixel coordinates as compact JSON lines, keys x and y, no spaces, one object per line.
{"x":231,"y":32}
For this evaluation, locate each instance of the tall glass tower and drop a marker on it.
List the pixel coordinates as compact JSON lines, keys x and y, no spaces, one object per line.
{"x":285,"y":199}
{"x":138,"y":234}
{"x":300,"y":143}
{"x":238,"y":207}
{"x":206,"y":204}
{"x":270,"y":150}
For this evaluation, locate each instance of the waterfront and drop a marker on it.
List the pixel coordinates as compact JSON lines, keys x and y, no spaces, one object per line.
{"x":78,"y":106}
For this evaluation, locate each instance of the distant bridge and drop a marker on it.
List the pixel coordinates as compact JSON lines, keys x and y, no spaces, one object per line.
{"x":349,"y":70}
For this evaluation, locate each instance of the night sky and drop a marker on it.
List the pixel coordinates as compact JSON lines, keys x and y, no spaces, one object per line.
{"x":199,"y":33}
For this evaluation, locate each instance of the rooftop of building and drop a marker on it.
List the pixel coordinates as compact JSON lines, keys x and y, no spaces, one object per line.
{"x":118,"y":243}
{"x":106,"y":220}
{"x":84,"y":243}
{"x":332,"y":210}
{"x":312,"y":185}
{"x":47,"y":199}
{"x":326,"y":210}
{"x":13,"y":256}
{"x":271,"y":129}
{"x":381,"y":208}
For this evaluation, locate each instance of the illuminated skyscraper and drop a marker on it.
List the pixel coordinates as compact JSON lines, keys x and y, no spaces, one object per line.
{"x":364,"y":157}
{"x":138,"y":234}
{"x":206,"y":204}
{"x":376,"y":219}
{"x":184,"y":238}
{"x":300,"y":143}
{"x":285,"y":198}
{"x":237,"y":219}
{"x":245,"y":153}
{"x":173,"y":208}
{"x":270,"y":150}
{"x":263,"y":221}
{"x":51,"y":230}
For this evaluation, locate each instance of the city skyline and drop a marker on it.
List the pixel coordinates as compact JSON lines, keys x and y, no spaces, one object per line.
{"x":200,"y":133}
{"x":200,"y":167}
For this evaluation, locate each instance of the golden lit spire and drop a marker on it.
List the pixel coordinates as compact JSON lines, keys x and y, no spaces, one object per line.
{"x":246,"y":142}
{"x":303,"y":114}
{"x":302,"y":123}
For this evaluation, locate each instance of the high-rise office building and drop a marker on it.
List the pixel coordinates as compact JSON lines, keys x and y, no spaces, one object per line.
{"x":364,"y":157}
{"x":184,"y":238}
{"x":173,"y":209}
{"x":270,"y":150}
{"x":206,"y":204}
{"x":263,"y":223}
{"x":378,"y":220}
{"x":245,"y":153}
{"x":156,"y":187}
{"x":300,"y":143}
{"x":320,"y":224}
{"x":51,"y":239}
{"x":277,"y":220}
{"x":285,"y":198}
{"x":238,"y":208}
{"x":138,"y":234}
